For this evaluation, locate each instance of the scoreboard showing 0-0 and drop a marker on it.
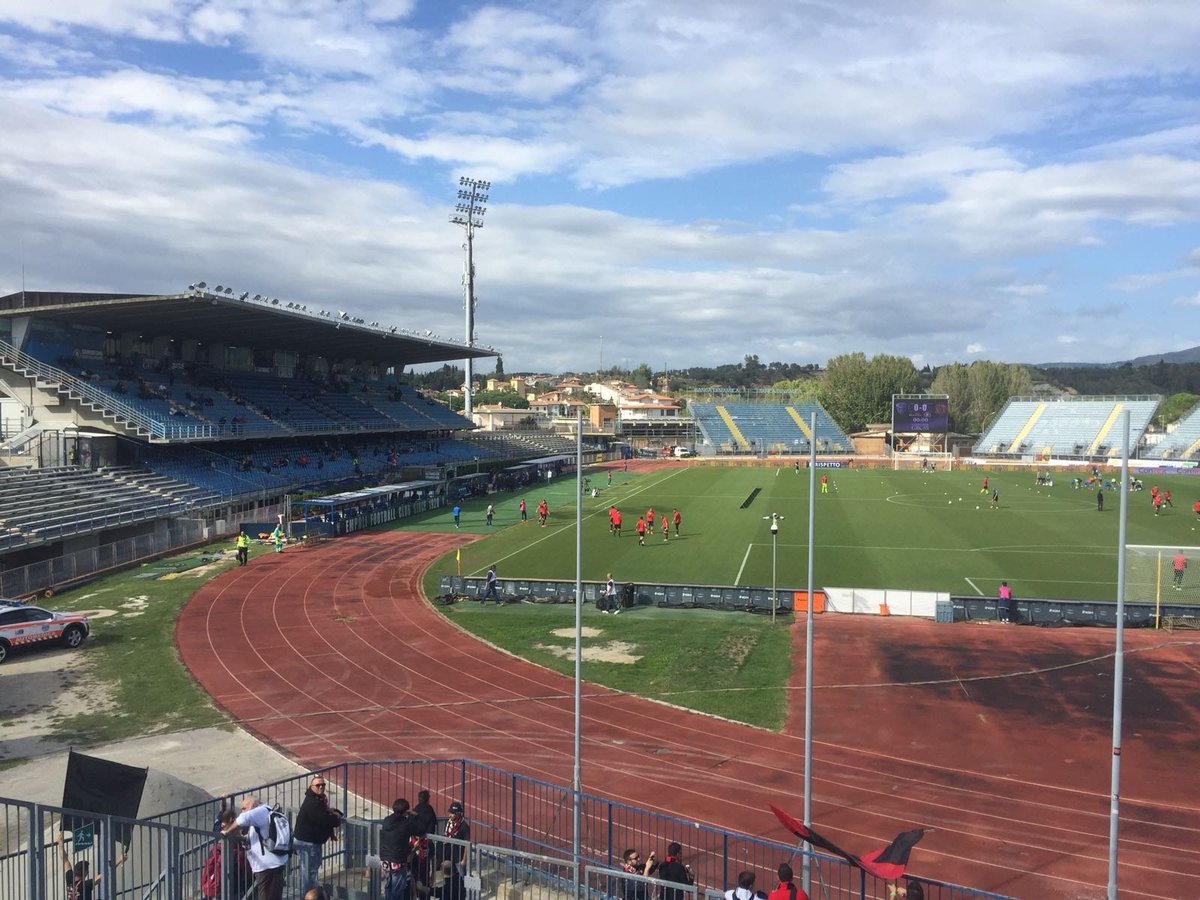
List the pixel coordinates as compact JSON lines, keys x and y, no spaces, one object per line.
{"x":920,"y":414}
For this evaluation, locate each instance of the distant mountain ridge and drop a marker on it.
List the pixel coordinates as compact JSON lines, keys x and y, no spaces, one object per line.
{"x":1191,"y":355}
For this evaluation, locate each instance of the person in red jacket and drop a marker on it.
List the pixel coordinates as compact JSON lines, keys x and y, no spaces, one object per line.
{"x":676,"y":518}
{"x":787,"y":889}
{"x":641,"y":528}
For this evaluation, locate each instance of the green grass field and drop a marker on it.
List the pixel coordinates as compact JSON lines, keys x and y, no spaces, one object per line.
{"x":874,"y":529}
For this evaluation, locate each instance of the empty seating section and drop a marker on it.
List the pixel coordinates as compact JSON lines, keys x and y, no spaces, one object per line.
{"x":196,"y":401}
{"x":767,"y":427}
{"x":43,"y":504}
{"x":714,"y":428}
{"x":245,"y":468}
{"x":1183,"y":441}
{"x":1067,"y":427}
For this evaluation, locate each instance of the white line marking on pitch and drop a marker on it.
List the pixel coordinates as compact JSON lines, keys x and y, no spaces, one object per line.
{"x":742,"y":568}
{"x":974,"y":585}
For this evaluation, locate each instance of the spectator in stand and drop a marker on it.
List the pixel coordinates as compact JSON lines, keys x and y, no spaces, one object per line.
{"x":631,"y":862}
{"x":226,"y":862}
{"x":745,"y":888}
{"x":673,"y":868}
{"x":787,"y":889}
{"x":316,"y":823}
{"x":395,"y":850}
{"x":457,"y":827}
{"x":81,"y":885}
{"x":426,"y":824}
{"x":270,"y":868}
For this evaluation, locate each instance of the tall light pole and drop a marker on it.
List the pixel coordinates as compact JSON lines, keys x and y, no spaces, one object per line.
{"x":468,"y":213}
{"x":775,"y":520}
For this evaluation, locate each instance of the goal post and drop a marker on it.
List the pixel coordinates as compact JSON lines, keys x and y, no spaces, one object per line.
{"x":921,"y":462}
{"x":1162,"y":574}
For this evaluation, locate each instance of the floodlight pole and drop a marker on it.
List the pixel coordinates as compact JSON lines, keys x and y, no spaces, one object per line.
{"x":808,"y":647}
{"x":1118,"y":670}
{"x":468,"y":213}
{"x":577,"y":773}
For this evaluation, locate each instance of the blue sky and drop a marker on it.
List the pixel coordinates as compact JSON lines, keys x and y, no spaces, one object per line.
{"x":675,"y":183}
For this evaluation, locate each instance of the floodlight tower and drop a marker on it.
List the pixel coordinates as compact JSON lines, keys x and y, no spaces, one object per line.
{"x":468,"y":213}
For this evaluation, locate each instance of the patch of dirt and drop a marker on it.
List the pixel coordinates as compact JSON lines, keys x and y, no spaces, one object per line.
{"x":570,"y":632}
{"x":612,"y":652}
{"x":134,"y":606}
{"x":736,"y":647}
{"x":41,"y":689}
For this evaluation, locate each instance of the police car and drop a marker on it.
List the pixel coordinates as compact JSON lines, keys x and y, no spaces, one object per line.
{"x":22,"y":626}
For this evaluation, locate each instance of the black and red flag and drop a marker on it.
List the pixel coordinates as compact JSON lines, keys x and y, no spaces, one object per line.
{"x":887,"y":862}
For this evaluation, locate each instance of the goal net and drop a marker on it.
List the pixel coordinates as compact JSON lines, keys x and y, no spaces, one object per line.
{"x":1162,"y":574}
{"x":922,"y":462}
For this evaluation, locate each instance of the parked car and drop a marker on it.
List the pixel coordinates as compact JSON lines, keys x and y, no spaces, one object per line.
{"x":22,"y":626}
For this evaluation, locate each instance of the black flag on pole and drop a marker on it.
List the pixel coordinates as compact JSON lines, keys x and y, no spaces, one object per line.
{"x":100,"y":786}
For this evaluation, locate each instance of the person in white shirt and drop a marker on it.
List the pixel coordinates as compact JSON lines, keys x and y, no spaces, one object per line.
{"x":269,"y":868}
{"x":745,"y":888}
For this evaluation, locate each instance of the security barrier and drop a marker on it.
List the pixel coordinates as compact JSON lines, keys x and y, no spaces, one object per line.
{"x":521,"y":840}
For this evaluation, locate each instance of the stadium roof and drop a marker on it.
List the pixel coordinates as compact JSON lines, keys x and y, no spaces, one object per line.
{"x":212,"y":317}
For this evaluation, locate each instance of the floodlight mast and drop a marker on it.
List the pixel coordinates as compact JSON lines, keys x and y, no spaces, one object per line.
{"x":472,"y":194}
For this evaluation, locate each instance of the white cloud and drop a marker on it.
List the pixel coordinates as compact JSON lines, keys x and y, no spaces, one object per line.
{"x":1068,"y":339}
{"x":974,"y":349}
{"x":895,"y":176}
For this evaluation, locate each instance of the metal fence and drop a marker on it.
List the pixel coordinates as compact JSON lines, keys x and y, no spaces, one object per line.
{"x":521,"y":835}
{"x":37,"y":578}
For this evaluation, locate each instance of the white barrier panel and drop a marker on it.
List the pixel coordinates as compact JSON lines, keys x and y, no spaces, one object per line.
{"x":872,"y":601}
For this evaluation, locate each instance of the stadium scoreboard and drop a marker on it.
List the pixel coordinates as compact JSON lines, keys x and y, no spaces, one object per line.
{"x":920,"y":413}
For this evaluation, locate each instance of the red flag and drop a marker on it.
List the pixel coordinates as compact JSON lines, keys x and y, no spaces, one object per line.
{"x":890,"y":862}
{"x":887,"y":862}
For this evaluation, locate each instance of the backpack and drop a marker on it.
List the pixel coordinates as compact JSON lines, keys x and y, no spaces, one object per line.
{"x":278,"y":839}
{"x":210,"y":874}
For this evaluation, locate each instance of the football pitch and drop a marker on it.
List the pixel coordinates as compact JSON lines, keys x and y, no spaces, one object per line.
{"x":873,"y":529}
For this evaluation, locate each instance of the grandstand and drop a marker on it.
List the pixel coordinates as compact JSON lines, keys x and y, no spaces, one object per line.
{"x":1182,"y":442}
{"x":775,"y":428}
{"x":1066,"y":427}
{"x":139,"y":409}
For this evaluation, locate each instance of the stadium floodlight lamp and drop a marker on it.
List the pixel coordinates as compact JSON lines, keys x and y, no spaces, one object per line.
{"x":219,"y":288}
{"x":258,"y":296}
{"x":393,"y":329}
{"x":243,"y":295}
{"x":274,"y":301}
{"x":201,"y":285}
{"x":229,"y":291}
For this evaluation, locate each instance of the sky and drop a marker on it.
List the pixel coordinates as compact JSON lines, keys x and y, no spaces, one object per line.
{"x":673,"y":182}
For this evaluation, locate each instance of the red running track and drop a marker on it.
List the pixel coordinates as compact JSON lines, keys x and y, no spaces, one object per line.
{"x":997,"y":739}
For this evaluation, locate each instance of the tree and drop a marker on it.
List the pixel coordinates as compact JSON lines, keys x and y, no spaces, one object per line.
{"x":800,"y":390}
{"x":499,"y":366}
{"x":857,"y":390}
{"x":979,"y":391}
{"x":642,"y":376}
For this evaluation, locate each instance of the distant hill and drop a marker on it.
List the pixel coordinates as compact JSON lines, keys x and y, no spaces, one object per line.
{"x":1191,"y":355}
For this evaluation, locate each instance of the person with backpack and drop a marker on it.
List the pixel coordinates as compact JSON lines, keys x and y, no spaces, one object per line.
{"x":316,"y":823}
{"x":270,"y":846}
{"x":227,"y":860}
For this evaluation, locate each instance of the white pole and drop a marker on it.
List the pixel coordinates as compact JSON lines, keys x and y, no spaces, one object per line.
{"x":808,"y":646}
{"x":774,"y":542}
{"x":577,"y":777}
{"x":1118,"y":671}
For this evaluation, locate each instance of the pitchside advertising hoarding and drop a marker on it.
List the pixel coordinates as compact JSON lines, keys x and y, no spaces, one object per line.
{"x":923,"y":414}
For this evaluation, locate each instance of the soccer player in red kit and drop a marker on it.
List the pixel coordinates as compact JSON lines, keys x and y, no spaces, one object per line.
{"x":641,"y":529}
{"x":676,"y":519}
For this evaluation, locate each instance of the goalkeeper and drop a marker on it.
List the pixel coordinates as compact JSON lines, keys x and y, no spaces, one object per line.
{"x":1178,"y":566}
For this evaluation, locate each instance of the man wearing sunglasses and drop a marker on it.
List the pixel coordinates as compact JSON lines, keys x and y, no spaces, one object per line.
{"x":316,"y":823}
